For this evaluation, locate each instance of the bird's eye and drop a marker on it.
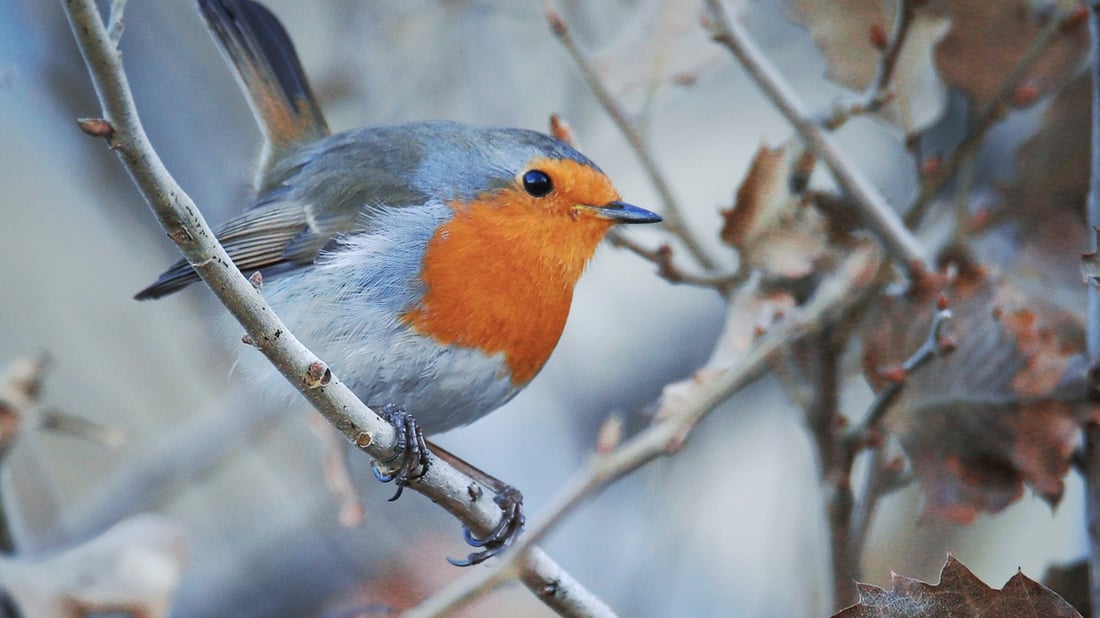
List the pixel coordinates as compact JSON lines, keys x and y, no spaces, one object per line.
{"x":537,"y":183}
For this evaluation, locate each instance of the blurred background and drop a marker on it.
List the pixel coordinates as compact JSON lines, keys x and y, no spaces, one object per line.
{"x":730,"y":526}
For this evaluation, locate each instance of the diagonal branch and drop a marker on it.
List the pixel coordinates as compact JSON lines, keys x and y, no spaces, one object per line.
{"x":873,"y":208}
{"x":184,"y":224}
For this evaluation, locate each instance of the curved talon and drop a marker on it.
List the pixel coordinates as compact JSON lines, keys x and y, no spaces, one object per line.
{"x":507,"y":530}
{"x":380,"y":476}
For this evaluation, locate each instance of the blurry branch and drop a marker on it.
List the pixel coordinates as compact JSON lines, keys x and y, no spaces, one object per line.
{"x":337,"y":476}
{"x":877,"y":94}
{"x":1091,"y":455}
{"x":681,"y":407}
{"x":671,"y":211}
{"x":184,"y":224}
{"x":19,"y":389}
{"x":132,"y":569}
{"x":937,"y":344}
{"x":993,"y":112}
{"x":873,"y":208}
{"x":849,"y":514}
{"x":669,"y":271}
{"x":79,"y":427}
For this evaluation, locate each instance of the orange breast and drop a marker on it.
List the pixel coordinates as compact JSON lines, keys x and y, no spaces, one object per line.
{"x":499,"y":275}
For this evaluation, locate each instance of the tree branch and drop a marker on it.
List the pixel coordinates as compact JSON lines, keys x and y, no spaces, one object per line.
{"x":873,"y":209}
{"x":184,"y":224}
{"x":877,"y":94}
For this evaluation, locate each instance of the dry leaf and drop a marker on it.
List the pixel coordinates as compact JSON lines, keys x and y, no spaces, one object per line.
{"x":959,"y":593}
{"x":845,"y":32}
{"x":987,"y":39}
{"x":1002,"y":410}
{"x":770,"y":225}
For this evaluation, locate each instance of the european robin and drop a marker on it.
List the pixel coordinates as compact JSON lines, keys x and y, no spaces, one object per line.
{"x":431,"y":264}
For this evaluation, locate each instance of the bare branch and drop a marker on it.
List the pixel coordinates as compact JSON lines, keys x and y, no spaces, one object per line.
{"x":933,"y":346}
{"x":79,"y":427}
{"x":671,"y":211}
{"x":877,"y":94}
{"x":337,"y":476}
{"x":669,"y":271}
{"x":183,"y":222}
{"x":873,"y":208}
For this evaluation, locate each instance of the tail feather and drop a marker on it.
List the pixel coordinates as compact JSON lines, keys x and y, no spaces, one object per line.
{"x":269,"y":70}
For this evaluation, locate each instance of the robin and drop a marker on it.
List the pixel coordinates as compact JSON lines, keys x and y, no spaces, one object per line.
{"x":431,"y":264}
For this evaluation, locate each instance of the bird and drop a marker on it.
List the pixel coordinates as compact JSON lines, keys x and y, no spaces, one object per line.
{"x":431,"y":264}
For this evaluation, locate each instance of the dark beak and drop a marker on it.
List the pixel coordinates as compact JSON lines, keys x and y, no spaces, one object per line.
{"x":621,"y":212}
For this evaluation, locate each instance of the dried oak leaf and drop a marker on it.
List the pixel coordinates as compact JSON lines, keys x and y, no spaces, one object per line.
{"x":988,"y":39}
{"x":771,"y":226}
{"x":1003,"y":409}
{"x":959,"y":593}
{"x":846,"y":31}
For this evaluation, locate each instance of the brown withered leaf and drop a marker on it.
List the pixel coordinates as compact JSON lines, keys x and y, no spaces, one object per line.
{"x":988,"y":39}
{"x":769,"y":224}
{"x":959,"y":593}
{"x":842,"y":29}
{"x":1000,"y":411}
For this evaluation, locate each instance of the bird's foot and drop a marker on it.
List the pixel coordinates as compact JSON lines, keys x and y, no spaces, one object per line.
{"x":510,"y":501}
{"x":411,"y":455}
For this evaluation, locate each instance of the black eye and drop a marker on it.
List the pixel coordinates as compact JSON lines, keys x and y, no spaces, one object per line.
{"x":537,"y":183}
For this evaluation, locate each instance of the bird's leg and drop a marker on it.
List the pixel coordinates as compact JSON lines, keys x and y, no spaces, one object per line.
{"x":508,"y":498}
{"x":411,"y":451}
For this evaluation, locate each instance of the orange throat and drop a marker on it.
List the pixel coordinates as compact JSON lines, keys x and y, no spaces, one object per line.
{"x":499,"y":277}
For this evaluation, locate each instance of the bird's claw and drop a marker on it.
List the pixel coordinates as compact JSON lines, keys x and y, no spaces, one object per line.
{"x":510,"y":501}
{"x":411,"y":451}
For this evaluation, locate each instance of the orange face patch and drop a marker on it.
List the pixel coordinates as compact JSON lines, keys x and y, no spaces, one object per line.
{"x":500,"y":274}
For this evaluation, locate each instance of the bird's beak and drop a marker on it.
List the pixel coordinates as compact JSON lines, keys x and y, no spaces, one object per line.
{"x":621,"y":212}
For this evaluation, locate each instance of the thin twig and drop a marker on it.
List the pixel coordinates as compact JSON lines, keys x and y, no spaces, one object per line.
{"x":877,"y":94}
{"x":671,"y":211}
{"x":669,"y":271}
{"x":183,"y":222}
{"x":79,"y":427}
{"x":337,"y":476}
{"x":932,"y":347}
{"x":677,"y":415}
{"x":1091,"y":448}
{"x":873,"y":208}
{"x":849,"y":513}
{"x":115,"y":24}
{"x":992,"y":113}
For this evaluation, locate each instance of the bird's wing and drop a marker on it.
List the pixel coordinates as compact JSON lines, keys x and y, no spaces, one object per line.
{"x":327,"y":191}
